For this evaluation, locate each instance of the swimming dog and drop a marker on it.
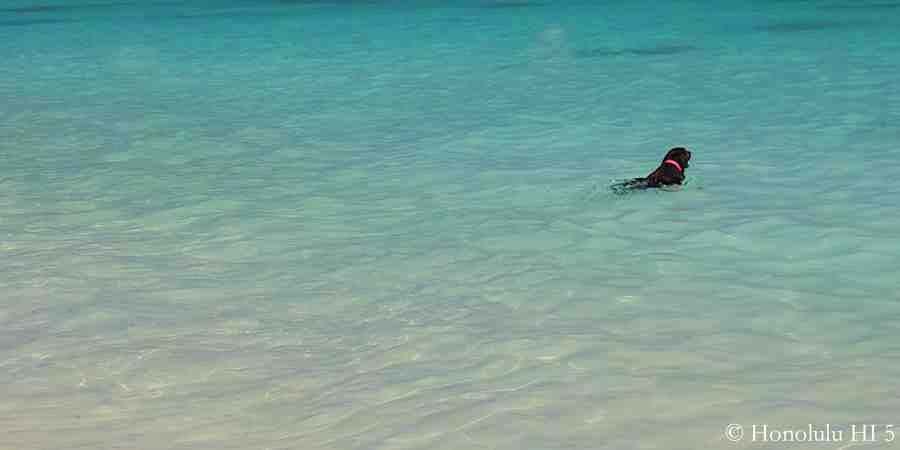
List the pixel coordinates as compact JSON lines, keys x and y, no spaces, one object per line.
{"x":670,"y":172}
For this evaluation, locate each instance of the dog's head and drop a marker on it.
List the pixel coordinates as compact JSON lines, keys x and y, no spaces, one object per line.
{"x":680,"y":155}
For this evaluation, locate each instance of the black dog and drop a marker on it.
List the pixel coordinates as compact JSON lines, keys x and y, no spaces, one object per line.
{"x":671,"y":171}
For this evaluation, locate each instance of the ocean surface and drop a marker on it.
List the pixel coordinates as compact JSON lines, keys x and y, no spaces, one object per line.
{"x":314,"y":225}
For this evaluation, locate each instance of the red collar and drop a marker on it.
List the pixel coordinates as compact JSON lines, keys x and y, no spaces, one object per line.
{"x":674,"y":163}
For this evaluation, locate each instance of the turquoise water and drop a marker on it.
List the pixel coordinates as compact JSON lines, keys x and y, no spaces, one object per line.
{"x":387,"y":225}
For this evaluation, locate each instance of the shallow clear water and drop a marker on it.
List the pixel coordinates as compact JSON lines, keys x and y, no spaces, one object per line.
{"x":383,"y":225}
